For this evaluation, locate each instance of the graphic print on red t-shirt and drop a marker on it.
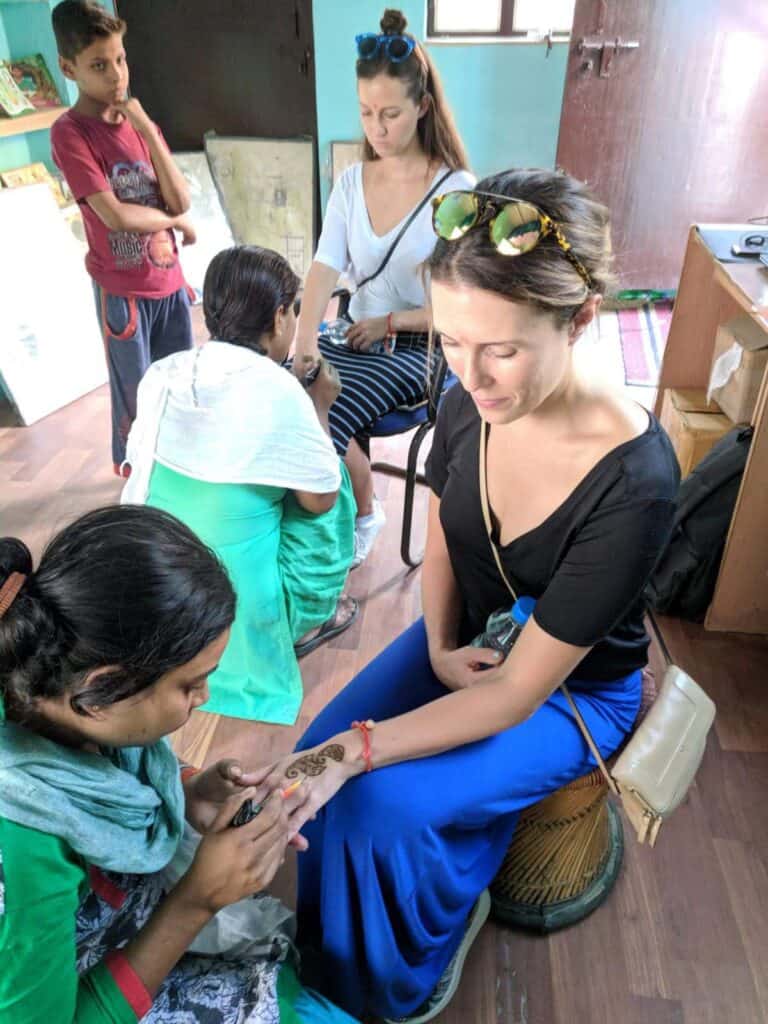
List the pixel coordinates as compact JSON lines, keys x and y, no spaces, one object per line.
{"x":99,"y":156}
{"x":136,"y":183}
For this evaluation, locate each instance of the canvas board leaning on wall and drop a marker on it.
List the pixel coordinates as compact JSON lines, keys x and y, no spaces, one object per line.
{"x":267,"y":187}
{"x":206,"y":213}
{"x":51,"y":351}
{"x":344,"y":155}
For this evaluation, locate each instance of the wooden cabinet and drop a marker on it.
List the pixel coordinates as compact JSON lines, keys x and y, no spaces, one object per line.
{"x":709,"y":294}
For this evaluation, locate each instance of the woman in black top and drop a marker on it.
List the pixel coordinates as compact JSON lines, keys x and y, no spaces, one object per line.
{"x":581,"y":486}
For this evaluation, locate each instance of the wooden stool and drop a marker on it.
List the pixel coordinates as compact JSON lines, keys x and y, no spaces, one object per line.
{"x":566,"y":852}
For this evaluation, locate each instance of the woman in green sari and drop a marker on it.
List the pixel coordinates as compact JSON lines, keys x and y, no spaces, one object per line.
{"x":233,"y":445}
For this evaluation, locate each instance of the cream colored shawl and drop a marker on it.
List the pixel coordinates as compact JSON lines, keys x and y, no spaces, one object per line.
{"x":225,"y":414}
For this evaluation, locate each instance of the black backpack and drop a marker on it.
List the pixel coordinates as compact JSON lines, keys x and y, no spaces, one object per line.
{"x":684,"y":579}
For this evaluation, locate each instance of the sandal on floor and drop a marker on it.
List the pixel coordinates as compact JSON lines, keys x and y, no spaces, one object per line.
{"x":330,"y":628}
{"x":451,"y":976}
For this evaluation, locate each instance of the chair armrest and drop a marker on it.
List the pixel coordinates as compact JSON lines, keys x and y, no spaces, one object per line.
{"x":343,"y":295}
{"x":437,"y":375}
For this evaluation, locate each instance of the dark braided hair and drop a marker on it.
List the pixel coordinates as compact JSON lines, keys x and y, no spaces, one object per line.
{"x":244,"y":288}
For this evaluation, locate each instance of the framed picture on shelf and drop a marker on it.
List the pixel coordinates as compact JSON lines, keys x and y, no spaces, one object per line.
{"x":33,"y":79}
{"x":13,"y":102}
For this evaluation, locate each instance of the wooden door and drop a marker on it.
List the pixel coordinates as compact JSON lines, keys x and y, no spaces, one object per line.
{"x":670,"y":127}
{"x":239,"y":67}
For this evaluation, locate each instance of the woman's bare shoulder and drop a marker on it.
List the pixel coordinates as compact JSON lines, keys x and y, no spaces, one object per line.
{"x":615,"y":418}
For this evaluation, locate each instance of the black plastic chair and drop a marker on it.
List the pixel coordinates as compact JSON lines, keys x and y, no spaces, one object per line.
{"x":422,"y":417}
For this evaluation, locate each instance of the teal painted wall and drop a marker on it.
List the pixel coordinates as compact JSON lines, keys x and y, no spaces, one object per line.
{"x":14,"y":151}
{"x":28,"y":29}
{"x":506,"y":97}
{"x":4,"y":50}
{"x":25,"y":27}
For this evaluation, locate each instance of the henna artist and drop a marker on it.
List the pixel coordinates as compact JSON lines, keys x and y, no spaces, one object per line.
{"x":105,"y":649}
{"x":416,"y":804}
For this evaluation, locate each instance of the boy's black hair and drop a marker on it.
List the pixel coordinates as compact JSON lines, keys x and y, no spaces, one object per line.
{"x":77,"y":23}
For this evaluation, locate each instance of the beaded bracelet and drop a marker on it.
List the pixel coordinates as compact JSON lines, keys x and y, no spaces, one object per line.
{"x":365,"y":731}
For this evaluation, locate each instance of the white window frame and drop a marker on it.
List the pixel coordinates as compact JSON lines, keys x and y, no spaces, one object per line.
{"x":505,"y":34}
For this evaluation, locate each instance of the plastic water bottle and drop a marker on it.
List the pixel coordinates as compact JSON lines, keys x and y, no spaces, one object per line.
{"x":504,"y":626}
{"x":385,"y":347}
{"x":335,"y":330}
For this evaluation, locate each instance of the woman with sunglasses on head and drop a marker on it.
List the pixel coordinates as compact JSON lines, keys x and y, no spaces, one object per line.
{"x":411,"y":150}
{"x":105,"y":649}
{"x":445,"y":742}
{"x":229,"y":441}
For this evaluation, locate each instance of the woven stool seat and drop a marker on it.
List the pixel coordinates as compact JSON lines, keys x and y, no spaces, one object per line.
{"x":566,"y":852}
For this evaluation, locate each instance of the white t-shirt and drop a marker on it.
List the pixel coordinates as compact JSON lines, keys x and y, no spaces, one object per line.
{"x":349,"y":245}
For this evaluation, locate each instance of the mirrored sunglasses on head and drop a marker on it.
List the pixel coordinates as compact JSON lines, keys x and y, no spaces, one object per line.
{"x":396,"y":48}
{"x":515,"y":226}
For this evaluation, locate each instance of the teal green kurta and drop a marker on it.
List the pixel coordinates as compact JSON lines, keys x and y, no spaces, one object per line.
{"x":288,"y":568}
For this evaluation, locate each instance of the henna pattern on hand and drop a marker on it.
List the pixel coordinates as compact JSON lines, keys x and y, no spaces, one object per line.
{"x":315,"y":764}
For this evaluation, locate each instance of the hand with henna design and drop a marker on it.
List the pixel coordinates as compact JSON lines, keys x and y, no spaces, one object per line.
{"x":324,"y":770}
{"x":314,"y":764}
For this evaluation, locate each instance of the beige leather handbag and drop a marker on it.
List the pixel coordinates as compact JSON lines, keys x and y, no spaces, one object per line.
{"x":656,"y":768}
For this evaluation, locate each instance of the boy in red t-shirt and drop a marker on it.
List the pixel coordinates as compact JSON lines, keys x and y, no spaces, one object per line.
{"x":132,"y":197}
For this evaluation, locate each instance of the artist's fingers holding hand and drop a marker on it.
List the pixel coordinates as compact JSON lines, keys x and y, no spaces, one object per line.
{"x":220,"y":780}
{"x":231,"y":863}
{"x":269,"y":838}
{"x":320,"y":789}
{"x":271,"y":818}
{"x":229,"y":808}
{"x":263,"y":775}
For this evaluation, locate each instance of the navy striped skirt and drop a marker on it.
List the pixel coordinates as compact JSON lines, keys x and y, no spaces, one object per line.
{"x":373,"y":385}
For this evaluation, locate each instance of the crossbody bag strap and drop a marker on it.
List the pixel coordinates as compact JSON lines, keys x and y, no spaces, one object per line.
{"x":411,"y":218}
{"x":489,"y":530}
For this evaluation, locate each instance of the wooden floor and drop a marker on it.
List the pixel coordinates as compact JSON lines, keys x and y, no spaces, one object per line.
{"x":683,"y":937}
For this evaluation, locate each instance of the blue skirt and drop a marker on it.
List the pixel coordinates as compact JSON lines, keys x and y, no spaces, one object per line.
{"x":398,"y":857}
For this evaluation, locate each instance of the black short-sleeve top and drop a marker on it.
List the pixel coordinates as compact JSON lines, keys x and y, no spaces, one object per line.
{"x":586,"y":564}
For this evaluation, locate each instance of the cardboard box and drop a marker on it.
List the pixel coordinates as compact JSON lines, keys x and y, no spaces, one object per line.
{"x":693,"y":424}
{"x":738,"y":367}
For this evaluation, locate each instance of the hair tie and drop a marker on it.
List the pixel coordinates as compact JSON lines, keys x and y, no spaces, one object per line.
{"x":9,"y":590}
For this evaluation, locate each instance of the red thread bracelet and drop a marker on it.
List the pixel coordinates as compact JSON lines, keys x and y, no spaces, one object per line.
{"x":187,"y":771}
{"x":365,"y":731}
{"x":391,"y":332}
